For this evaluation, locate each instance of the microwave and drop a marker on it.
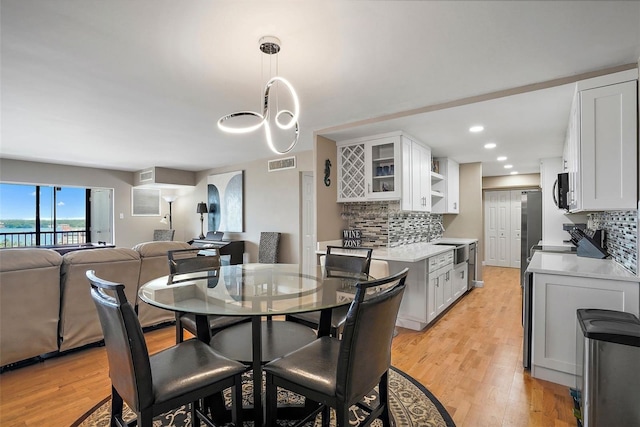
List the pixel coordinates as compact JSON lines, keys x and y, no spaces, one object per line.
{"x":561,"y":191}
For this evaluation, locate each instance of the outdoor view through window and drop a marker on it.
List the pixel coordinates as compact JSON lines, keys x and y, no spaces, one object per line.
{"x":36,"y":215}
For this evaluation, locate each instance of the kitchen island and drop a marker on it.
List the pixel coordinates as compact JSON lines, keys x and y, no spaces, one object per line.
{"x":435,"y":280}
{"x":562,"y":283}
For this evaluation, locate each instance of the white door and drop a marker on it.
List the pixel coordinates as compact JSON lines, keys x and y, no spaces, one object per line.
{"x":516,"y":221}
{"x":102,"y":215}
{"x":491,"y":227}
{"x":504,"y":229}
{"x":308,"y":224}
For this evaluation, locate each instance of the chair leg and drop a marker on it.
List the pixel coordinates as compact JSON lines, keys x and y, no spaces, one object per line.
{"x":145,"y":418}
{"x":116,"y":409}
{"x":326,"y":416}
{"x":342,"y":415}
{"x":272,"y":401}
{"x":179,"y":331}
{"x":195,"y":419}
{"x":236,"y":402}
{"x":383,"y":393}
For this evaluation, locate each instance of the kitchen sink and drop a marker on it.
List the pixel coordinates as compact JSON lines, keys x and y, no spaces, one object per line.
{"x":460,"y":253}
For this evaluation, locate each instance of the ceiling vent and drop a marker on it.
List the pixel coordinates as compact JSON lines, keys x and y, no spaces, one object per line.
{"x":146,"y":176}
{"x":281,"y":164}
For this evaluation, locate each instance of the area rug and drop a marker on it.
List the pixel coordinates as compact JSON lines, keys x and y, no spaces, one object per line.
{"x":411,"y":404}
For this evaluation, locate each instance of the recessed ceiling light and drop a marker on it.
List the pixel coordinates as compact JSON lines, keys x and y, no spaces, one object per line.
{"x":476,"y":128}
{"x":501,"y":158}
{"x":514,"y":173}
{"x":508,"y":166}
{"x":490,"y":145}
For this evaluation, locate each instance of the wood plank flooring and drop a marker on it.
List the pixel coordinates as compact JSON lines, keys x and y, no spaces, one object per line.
{"x":471,"y":359}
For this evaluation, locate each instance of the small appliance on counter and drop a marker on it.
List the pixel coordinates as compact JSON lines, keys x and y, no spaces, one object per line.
{"x":590,"y":243}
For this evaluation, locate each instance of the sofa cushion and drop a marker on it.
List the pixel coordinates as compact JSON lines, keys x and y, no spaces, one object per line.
{"x":79,"y":323}
{"x":29,"y":303}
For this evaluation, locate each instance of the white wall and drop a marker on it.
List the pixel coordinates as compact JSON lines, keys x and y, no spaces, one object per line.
{"x":271,"y":203}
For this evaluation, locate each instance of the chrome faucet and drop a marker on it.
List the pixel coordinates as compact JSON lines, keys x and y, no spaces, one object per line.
{"x":441,"y":226}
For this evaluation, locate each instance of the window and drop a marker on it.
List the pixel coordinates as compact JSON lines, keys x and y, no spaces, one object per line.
{"x":36,"y":215}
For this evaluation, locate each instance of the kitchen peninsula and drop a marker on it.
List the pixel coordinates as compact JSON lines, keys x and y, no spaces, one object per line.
{"x":435,"y":281}
{"x":558,"y":284}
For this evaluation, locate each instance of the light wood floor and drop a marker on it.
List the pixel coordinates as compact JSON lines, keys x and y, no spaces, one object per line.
{"x":471,"y":359}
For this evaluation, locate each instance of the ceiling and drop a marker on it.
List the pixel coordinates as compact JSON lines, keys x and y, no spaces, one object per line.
{"x":127,"y":85}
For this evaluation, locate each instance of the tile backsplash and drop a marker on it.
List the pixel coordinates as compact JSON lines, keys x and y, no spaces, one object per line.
{"x":621,"y":232}
{"x":384,"y":224}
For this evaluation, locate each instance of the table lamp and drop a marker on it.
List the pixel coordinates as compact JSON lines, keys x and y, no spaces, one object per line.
{"x":201,"y":209}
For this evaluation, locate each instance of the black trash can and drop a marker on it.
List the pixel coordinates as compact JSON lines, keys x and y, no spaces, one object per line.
{"x":608,"y":377}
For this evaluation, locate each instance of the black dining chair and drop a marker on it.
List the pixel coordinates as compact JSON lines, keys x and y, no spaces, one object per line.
{"x":186,"y":373}
{"x":340,"y":373}
{"x":198,"y":260}
{"x":352,"y":260}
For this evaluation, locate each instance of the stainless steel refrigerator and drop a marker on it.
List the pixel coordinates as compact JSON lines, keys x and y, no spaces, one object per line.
{"x":530,"y":236}
{"x":531,"y":226}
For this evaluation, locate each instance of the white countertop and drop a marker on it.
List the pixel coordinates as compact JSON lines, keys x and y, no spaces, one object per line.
{"x":416,"y":251}
{"x":567,"y":264}
{"x":410,"y":253}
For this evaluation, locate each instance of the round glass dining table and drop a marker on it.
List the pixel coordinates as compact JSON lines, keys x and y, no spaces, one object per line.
{"x":255,"y":290}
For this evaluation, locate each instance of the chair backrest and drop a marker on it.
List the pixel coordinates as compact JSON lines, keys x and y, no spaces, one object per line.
{"x":190,"y":260}
{"x":355,"y":260}
{"x":269,"y":249}
{"x":153,"y":264}
{"x":163,"y":235}
{"x":365,"y":348}
{"x":129,"y":366}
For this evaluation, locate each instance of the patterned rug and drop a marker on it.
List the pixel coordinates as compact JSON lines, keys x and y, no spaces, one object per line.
{"x":411,"y":404}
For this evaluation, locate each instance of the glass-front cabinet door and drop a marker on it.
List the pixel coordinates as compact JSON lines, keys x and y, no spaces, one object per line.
{"x":383,"y":168}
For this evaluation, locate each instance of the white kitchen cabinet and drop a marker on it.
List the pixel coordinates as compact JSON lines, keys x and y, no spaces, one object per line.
{"x":420,"y":199}
{"x":446,"y":197}
{"x":440,"y":292}
{"x":460,"y":280}
{"x":430,"y":290}
{"x":602,"y":144}
{"x":555,"y":301}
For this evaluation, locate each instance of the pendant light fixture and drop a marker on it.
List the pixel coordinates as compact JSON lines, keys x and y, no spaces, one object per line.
{"x":270,"y":46}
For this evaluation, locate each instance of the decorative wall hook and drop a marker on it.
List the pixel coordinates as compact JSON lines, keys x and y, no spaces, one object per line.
{"x":327,"y":172}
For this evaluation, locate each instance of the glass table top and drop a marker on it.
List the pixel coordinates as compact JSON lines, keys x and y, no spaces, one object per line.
{"x":252,"y":289}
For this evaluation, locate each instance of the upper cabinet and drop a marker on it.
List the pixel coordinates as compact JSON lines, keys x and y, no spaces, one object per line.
{"x":420,"y":199}
{"x":445,"y":187}
{"x":601,"y":150}
{"x":370,"y":169}
{"x":392,"y":166}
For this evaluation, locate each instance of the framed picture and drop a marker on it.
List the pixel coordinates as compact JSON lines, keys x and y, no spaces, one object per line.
{"x":145,"y":201}
{"x":225,"y":193}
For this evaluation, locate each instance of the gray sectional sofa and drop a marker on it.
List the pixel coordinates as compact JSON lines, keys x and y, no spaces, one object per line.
{"x":45,"y":303}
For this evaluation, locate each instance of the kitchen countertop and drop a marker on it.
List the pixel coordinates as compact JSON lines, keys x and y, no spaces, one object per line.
{"x":568,"y":264}
{"x":416,"y":251}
